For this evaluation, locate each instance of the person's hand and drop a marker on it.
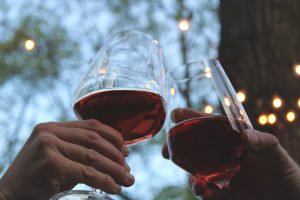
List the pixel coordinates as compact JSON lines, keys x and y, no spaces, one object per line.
{"x":268,"y":172}
{"x":57,"y":156}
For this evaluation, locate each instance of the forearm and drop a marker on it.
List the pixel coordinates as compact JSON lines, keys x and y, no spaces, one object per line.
{"x":2,"y":193}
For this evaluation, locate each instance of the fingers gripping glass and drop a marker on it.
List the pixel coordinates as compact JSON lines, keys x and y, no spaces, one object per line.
{"x":124,"y":88}
{"x":204,"y":137}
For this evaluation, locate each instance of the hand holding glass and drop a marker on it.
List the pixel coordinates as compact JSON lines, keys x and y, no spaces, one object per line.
{"x":124,"y":89}
{"x":208,"y":145}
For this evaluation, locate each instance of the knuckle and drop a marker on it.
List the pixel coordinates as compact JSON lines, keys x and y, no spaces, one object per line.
{"x":119,"y":158}
{"x":119,"y":170}
{"x":93,"y":122}
{"x":107,"y":180}
{"x":93,"y":138}
{"x":119,"y":139}
{"x":42,"y":128}
{"x":88,"y":172}
{"x":46,"y":145}
{"x":91,"y":156}
{"x":44,"y":142}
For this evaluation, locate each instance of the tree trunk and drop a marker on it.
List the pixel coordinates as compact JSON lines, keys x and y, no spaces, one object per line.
{"x":260,"y":42}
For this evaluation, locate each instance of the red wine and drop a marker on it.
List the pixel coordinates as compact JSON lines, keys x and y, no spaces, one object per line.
{"x":136,"y":114}
{"x":207,"y":147}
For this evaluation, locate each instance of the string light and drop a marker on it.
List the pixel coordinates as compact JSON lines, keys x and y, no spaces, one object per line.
{"x":277,"y":102}
{"x":102,"y":71}
{"x":272,"y":118}
{"x":208,"y":109}
{"x":172,"y":91}
{"x":241,"y":96}
{"x":262,"y":119}
{"x":297,"y":69}
{"x":291,"y":116}
{"x":226,"y":101}
{"x":299,"y":102}
{"x":184,"y":24}
{"x":207,"y":72}
{"x":29,"y":45}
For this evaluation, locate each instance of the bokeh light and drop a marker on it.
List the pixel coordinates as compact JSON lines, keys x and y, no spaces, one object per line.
{"x":226,"y":101}
{"x":262,"y":119}
{"x":172,"y":91}
{"x":102,"y":71}
{"x":207,"y":72}
{"x":277,"y":102}
{"x":297,"y":69}
{"x":241,"y":96}
{"x":184,"y":24}
{"x":208,"y":109}
{"x":272,"y":118}
{"x":29,"y":45}
{"x":291,"y":116}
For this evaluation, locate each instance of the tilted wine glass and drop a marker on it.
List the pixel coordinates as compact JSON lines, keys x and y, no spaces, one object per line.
{"x":205,"y":139}
{"x":124,"y":88}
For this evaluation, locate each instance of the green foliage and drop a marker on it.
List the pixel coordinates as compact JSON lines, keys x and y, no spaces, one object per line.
{"x":174,"y":193}
{"x":26,"y":75}
{"x":44,"y":61}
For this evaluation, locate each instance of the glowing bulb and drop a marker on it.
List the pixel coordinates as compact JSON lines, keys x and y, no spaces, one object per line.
{"x":208,"y":109}
{"x":272,"y":118}
{"x":262,"y":119}
{"x":277,"y":102}
{"x":102,"y":71}
{"x":29,"y":45}
{"x":207,"y":72}
{"x":297,"y":69}
{"x":172,"y":91}
{"x":299,"y":102}
{"x":226,"y":101}
{"x":184,"y":24}
{"x":291,"y":116}
{"x":241,"y":96}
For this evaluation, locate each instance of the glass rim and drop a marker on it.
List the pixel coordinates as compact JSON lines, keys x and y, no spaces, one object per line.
{"x":215,"y":61}
{"x":146,"y":35}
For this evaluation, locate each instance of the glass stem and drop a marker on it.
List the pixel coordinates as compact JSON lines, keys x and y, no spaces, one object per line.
{"x":227,"y":191}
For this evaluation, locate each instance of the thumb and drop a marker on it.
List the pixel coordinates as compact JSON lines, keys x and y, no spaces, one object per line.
{"x":259,"y":142}
{"x":267,"y":147}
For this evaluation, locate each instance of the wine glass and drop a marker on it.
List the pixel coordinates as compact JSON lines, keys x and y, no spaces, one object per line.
{"x":206,"y":141}
{"x":124,"y":88}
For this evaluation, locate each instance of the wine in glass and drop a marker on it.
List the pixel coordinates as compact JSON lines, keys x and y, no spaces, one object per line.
{"x":124,"y":88}
{"x":205,"y":137}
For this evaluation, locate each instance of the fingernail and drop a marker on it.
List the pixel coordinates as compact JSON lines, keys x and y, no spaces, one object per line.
{"x":130,"y":179}
{"x":125,"y":150}
{"x":126,"y":166}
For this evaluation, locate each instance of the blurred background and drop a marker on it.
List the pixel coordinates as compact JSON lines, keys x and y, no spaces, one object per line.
{"x":46,"y":47}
